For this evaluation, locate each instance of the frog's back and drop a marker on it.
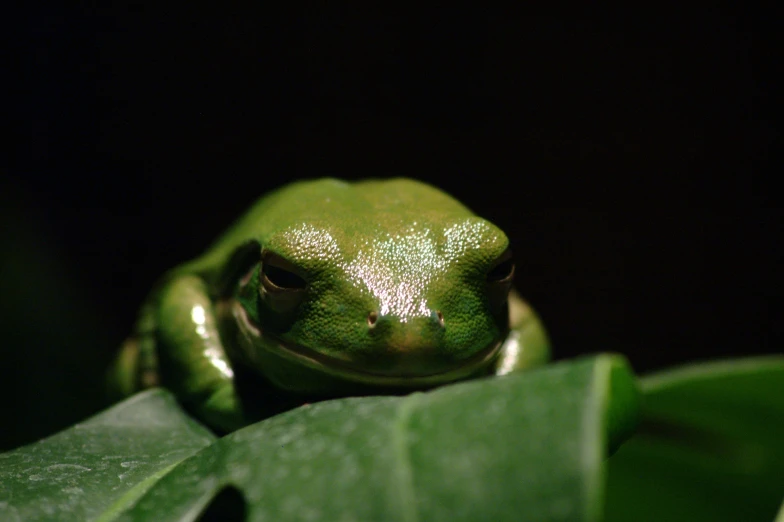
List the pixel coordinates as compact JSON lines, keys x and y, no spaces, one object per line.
{"x":388,"y":206}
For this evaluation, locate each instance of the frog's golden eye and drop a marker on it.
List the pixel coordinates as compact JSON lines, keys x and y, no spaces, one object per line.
{"x":282,"y":289}
{"x":278,"y":278}
{"x":503,"y":269}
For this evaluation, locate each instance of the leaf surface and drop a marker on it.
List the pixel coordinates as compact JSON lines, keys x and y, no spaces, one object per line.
{"x":710,"y":446}
{"x":98,"y":466}
{"x":521,"y":447}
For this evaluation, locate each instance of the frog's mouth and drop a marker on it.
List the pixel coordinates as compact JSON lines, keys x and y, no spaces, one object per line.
{"x":349,"y":371}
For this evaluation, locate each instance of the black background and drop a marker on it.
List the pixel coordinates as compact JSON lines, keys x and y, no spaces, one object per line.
{"x":623,"y":157}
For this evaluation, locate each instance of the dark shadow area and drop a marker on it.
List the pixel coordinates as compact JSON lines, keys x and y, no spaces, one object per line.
{"x":227,"y":506}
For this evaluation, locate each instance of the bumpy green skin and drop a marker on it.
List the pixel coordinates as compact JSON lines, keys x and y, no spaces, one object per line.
{"x":396,"y":298}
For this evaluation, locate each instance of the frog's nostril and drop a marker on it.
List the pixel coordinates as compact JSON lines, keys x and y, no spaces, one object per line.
{"x":372,"y":318}
{"x":440,"y":317}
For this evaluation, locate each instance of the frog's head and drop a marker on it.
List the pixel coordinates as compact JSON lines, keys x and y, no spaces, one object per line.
{"x":388,"y":294}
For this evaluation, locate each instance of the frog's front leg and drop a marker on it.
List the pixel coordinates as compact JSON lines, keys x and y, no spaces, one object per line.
{"x":191,"y":357}
{"x":527,"y":345}
{"x":176,"y":343}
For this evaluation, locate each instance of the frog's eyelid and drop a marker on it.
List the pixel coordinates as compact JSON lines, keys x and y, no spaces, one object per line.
{"x":278,"y":261}
{"x":284,"y":269}
{"x":280,"y":280}
{"x":505,"y":256}
{"x":502,"y":275}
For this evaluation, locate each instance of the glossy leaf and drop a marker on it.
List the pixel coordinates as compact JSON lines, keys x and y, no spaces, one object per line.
{"x":97,"y":467}
{"x":710,"y":446}
{"x":522,"y":447}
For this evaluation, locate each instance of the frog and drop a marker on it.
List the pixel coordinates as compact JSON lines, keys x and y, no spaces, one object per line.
{"x":329,"y":288}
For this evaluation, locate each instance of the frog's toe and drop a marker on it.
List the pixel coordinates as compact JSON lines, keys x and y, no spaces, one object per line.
{"x":223,"y":409}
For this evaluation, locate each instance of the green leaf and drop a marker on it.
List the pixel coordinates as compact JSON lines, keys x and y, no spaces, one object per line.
{"x":95,"y":468}
{"x":710,"y":446}
{"x":522,"y":447}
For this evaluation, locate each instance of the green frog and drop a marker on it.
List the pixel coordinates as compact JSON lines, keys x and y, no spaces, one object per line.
{"x":328,"y":288}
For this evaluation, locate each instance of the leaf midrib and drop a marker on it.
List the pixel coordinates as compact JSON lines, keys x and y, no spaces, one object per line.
{"x":404,"y":473}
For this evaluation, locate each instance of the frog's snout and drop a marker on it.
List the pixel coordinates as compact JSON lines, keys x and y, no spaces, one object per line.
{"x":404,"y":345}
{"x":400,"y":333}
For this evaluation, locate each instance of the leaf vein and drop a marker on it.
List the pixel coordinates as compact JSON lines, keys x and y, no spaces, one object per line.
{"x":404,"y":469}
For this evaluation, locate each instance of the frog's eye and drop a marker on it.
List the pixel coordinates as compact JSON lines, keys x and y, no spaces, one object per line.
{"x":277,"y":275}
{"x":499,"y":283}
{"x":282,"y":289}
{"x":502,"y":270}
{"x":277,"y":278}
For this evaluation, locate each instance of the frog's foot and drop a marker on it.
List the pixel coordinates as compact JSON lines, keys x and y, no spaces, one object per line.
{"x":527,"y":345}
{"x":133,"y":370}
{"x":123,"y":374}
{"x":222,"y":409}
